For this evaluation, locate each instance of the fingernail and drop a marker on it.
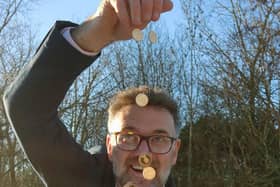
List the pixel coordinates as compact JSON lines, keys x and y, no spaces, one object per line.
{"x":155,"y":16}
{"x":147,"y":17}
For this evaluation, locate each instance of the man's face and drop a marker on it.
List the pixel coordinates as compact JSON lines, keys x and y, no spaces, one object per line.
{"x":145,"y":121}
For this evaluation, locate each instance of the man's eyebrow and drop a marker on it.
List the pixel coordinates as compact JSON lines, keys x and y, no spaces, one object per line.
{"x":128,"y":128}
{"x":157,"y":131}
{"x":160,"y":131}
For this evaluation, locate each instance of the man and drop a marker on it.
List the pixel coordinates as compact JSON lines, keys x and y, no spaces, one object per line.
{"x":32,"y":100}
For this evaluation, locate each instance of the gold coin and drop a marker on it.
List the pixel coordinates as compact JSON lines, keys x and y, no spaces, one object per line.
{"x":129,"y":184}
{"x":137,"y":34}
{"x":144,"y":160}
{"x":153,"y":36}
{"x":141,"y":99}
{"x":149,"y":173}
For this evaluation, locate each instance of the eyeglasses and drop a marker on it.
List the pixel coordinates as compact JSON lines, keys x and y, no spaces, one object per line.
{"x":159,"y":144}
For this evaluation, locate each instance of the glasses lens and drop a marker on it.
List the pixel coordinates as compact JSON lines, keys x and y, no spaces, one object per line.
{"x":128,"y":141}
{"x":160,"y":144}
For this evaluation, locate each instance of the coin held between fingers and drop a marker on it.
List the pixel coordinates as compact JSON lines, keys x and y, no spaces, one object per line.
{"x":137,"y":34}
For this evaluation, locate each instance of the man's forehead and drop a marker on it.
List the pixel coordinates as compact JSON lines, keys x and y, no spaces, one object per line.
{"x":147,"y":120}
{"x":127,"y":128}
{"x":134,"y":110}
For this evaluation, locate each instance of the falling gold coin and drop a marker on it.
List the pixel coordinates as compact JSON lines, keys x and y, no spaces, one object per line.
{"x":129,"y":184}
{"x":144,"y":160}
{"x":153,"y":36}
{"x":141,"y":100}
{"x":149,"y":173}
{"x":137,"y":34}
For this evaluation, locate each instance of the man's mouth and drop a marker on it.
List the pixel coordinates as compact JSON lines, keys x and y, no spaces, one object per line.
{"x":137,"y":168}
{"x":137,"y":171}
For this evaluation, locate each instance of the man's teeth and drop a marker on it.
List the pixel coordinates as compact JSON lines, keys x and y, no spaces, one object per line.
{"x":137,"y":167}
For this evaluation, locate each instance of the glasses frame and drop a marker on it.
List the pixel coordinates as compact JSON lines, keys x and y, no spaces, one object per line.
{"x":146,"y":138}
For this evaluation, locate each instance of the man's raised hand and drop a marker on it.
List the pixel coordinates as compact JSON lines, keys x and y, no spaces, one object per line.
{"x":114,"y":20}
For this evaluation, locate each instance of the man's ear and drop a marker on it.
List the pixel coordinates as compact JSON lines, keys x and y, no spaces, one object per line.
{"x":176,"y":150}
{"x":109,"y":146}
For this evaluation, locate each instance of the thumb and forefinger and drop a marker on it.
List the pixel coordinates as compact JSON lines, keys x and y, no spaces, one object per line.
{"x":130,"y":12}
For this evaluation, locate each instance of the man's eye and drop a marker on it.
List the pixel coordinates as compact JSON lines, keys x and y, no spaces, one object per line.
{"x":127,"y":138}
{"x":160,"y":139}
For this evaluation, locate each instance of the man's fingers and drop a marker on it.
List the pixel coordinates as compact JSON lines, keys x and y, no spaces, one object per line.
{"x":120,"y":17}
{"x":135,"y":11}
{"x":138,"y":12}
{"x":167,"y":5}
{"x":121,"y":8}
{"x":157,"y":9}
{"x":147,"y":10}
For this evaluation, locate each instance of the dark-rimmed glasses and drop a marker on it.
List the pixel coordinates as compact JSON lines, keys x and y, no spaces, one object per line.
{"x":159,"y":144}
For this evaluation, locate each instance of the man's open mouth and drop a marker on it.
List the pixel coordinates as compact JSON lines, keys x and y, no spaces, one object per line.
{"x":137,"y":168}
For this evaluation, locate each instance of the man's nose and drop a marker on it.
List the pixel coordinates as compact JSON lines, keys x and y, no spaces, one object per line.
{"x":143,"y":147}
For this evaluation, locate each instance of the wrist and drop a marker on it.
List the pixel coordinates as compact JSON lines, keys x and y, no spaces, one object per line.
{"x":92,"y":35}
{"x":66,"y":32}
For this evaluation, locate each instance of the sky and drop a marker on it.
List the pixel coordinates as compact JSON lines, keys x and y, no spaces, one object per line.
{"x":44,"y":13}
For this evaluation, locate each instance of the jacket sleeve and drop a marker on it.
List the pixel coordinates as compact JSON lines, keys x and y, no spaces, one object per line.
{"x":31,"y":104}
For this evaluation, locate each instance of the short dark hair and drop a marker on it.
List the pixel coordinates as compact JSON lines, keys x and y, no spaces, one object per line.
{"x":157,"y":97}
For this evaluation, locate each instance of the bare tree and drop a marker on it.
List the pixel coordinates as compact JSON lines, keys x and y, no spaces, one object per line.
{"x":144,"y":63}
{"x":190,"y":57}
{"x":84,"y":107}
{"x":16,"y":48}
{"x":241,"y":83}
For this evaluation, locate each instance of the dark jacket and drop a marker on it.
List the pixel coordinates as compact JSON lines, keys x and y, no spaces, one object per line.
{"x":31,"y":104}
